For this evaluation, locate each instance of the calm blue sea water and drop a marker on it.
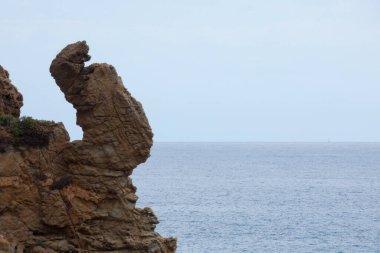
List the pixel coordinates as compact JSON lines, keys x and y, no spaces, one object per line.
{"x":265,"y":197}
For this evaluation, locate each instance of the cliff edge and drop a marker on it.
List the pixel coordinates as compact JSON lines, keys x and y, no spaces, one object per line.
{"x":62,"y":196}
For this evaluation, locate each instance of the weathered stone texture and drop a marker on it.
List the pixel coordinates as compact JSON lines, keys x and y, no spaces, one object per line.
{"x":11,"y":99}
{"x":78,"y":196}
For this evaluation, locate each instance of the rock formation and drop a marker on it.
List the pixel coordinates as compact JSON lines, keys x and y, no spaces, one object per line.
{"x":62,"y":196}
{"x":11,"y":99}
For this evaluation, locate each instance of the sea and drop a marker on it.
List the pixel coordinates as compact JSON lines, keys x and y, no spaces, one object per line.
{"x":264,"y":197}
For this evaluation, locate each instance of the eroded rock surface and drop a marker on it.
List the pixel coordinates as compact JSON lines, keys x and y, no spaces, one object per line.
{"x":11,"y":99}
{"x":78,"y":196}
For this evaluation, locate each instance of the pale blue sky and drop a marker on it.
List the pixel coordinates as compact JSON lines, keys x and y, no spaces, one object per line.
{"x":242,"y":70}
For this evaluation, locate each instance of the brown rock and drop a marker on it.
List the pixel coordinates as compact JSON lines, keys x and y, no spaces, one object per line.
{"x":78,"y":196}
{"x":10,"y":98}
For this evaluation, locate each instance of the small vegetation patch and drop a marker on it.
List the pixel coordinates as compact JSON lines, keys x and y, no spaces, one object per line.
{"x":25,"y":131}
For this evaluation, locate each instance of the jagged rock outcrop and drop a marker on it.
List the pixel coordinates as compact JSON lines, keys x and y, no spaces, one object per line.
{"x":11,"y":99}
{"x":62,"y":196}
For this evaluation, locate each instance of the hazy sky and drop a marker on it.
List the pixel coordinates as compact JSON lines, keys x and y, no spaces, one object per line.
{"x":222,"y":70}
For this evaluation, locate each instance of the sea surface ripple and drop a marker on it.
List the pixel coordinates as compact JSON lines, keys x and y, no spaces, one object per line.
{"x":264,"y":197}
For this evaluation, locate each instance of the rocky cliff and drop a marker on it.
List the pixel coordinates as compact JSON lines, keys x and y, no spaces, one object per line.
{"x":62,"y":196}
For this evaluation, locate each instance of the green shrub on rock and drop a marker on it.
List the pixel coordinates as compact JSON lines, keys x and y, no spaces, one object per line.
{"x":26,"y":130}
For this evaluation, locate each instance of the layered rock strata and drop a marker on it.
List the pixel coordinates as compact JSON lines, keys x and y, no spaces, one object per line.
{"x":62,"y":196}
